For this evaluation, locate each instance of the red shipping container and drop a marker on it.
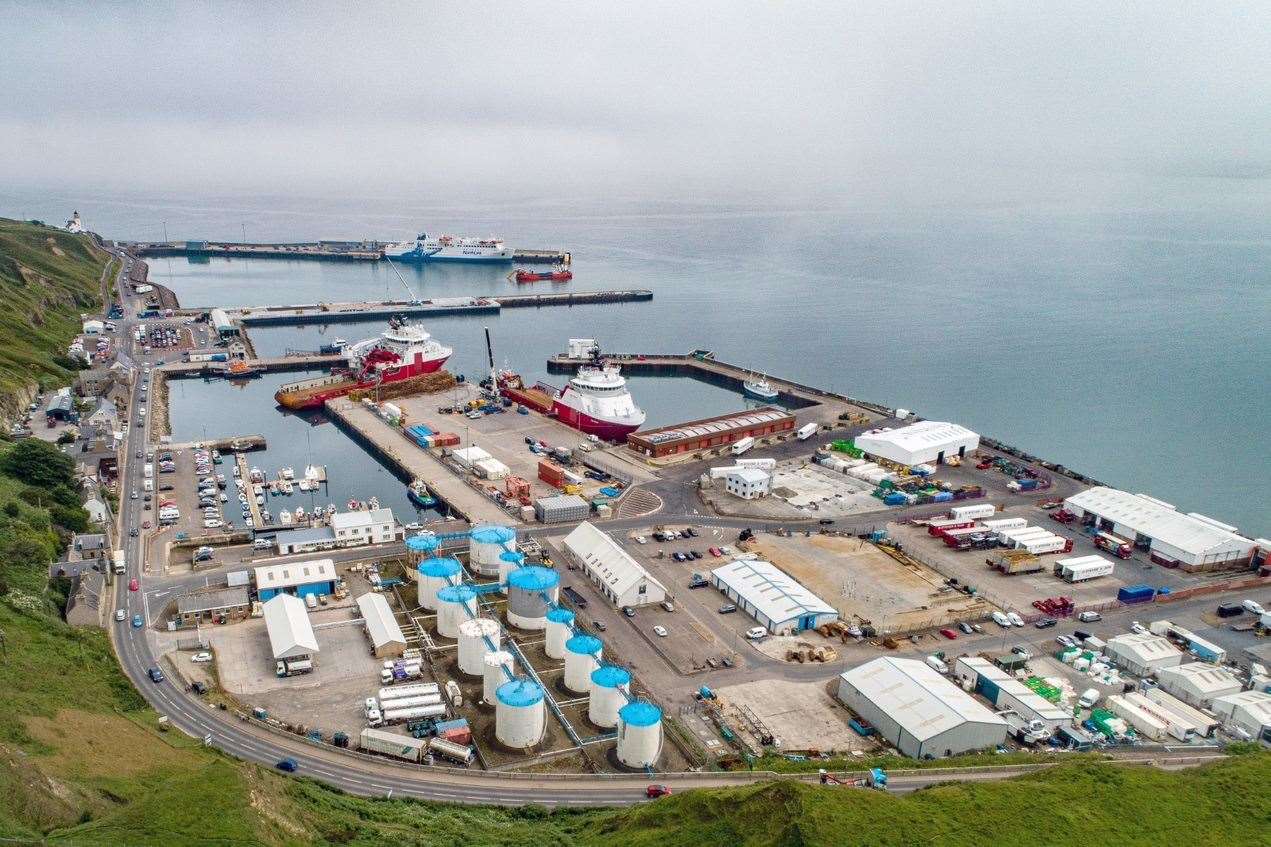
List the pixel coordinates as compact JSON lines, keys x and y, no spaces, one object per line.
{"x":553,"y":475}
{"x":446,"y":439}
{"x":458,"y":736}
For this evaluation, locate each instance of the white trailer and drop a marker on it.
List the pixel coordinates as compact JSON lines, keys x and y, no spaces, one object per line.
{"x":1174,"y":725}
{"x":1203,"y":724}
{"x":999,"y":524}
{"x":806,"y":431}
{"x":1144,"y":723}
{"x":414,"y":713}
{"x":973,"y":512}
{"x":460,"y":753}
{"x":411,"y":702}
{"x":1083,"y":568}
{"x":743,"y":445}
{"x":392,"y":744}
{"x":415,"y":690}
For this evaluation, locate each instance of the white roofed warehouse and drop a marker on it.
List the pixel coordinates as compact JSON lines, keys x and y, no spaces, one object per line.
{"x":1193,"y":541}
{"x":613,"y":571}
{"x":1248,"y":710}
{"x":382,"y":628}
{"x":778,"y":602}
{"x":925,"y":442}
{"x":1197,"y":683}
{"x":290,"y":635}
{"x":917,"y":710}
{"x":1143,"y":653}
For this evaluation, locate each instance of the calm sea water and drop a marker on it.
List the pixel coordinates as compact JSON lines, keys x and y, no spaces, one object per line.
{"x":1127,"y":341}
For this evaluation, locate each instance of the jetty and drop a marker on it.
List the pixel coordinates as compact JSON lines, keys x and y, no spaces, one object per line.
{"x":309,"y":361}
{"x":325,"y":313}
{"x":331,"y":251}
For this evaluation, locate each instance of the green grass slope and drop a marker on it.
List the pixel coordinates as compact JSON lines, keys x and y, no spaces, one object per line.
{"x":48,"y":277}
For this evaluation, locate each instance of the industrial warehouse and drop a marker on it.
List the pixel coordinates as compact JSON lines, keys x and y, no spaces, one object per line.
{"x":711,"y":432}
{"x":926,"y":442}
{"x":777,"y":603}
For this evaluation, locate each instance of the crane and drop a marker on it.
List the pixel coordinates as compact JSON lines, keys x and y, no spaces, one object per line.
{"x":414,"y":301}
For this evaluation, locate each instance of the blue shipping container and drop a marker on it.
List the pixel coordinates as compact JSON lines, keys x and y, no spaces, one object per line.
{"x":1136,"y":594}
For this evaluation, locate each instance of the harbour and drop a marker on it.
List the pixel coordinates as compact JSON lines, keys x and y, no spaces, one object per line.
{"x":338,"y":251}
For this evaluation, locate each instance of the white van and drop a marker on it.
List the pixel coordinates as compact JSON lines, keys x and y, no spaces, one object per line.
{"x":1088,"y":698}
{"x":1015,"y":619}
{"x":935,"y":663}
{"x":262,"y":543}
{"x":1253,"y":607}
{"x":311,"y":602}
{"x":1001,"y":619}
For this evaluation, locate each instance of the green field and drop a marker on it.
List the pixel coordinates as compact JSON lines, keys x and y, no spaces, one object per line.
{"x":48,"y":277}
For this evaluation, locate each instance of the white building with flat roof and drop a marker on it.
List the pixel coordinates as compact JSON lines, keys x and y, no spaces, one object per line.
{"x":917,"y":710}
{"x":368,"y":526}
{"x":287,"y":622}
{"x":748,"y":483}
{"x":618,"y":576}
{"x":1143,"y":653}
{"x":925,"y":442}
{"x":1192,"y":540}
{"x":777,"y":601}
{"x":381,"y":626}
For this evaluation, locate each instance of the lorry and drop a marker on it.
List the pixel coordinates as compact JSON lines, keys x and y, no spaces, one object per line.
{"x":401,"y":691}
{"x":392,"y":744}
{"x":293,"y":667}
{"x":147,"y":470}
{"x":392,"y":715}
{"x":460,"y":753}
{"x":118,"y":561}
{"x":1082,"y":569}
{"x":1118,"y":547}
{"x":806,"y":431}
{"x":743,"y":445}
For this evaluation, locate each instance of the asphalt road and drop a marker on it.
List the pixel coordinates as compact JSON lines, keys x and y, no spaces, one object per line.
{"x":372,"y":777}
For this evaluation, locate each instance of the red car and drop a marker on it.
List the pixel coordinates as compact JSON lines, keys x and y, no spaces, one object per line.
{"x":145,"y":524}
{"x":133,"y":585}
{"x":657,"y":791}
{"x":716,"y":552}
{"x":949,"y":634}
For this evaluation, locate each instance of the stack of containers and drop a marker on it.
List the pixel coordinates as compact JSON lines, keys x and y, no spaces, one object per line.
{"x":446,"y":439}
{"x":552,"y":474}
{"x":455,"y":731}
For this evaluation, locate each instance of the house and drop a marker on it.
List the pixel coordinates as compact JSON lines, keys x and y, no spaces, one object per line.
{"x":83,"y":605}
{"x":95,"y":382}
{"x":90,"y":545}
{"x":371,"y":526}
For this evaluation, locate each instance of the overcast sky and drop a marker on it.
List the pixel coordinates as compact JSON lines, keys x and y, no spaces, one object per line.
{"x":834,"y":98}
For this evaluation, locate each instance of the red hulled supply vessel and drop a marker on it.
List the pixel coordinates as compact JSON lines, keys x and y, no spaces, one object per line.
{"x":401,"y":352}
{"x":558,"y":275}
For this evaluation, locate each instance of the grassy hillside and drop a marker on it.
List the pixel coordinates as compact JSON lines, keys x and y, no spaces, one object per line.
{"x":48,"y":277}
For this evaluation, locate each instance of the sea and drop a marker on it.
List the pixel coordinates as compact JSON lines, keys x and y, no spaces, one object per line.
{"x":1127,"y":340}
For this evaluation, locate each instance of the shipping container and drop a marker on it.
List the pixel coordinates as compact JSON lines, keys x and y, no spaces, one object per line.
{"x":1136,"y":594}
{"x":938,"y":525}
{"x":806,"y":431}
{"x":973,"y":511}
{"x":742,"y":445}
{"x":553,"y":475}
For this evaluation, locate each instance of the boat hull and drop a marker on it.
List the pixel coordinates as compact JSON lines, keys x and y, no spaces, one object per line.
{"x":421,"y":502}
{"x":302,"y":398}
{"x":602,"y":429}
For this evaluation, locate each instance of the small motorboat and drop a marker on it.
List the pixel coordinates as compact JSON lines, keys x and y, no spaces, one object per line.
{"x":284,"y":517}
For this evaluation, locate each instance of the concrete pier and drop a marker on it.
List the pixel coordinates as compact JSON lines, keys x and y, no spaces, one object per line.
{"x":178,"y":370}
{"x":410,"y":462}
{"x":325,"y":313}
{"x":249,"y":487}
{"x":336,"y":251}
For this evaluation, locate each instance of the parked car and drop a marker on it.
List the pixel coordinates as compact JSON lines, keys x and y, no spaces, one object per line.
{"x":966,"y":628}
{"x":599,"y":625}
{"x":640,"y":539}
{"x":727,"y":608}
{"x":1045,"y":623}
{"x":826,"y":521}
{"x":659,"y":631}
{"x":200,"y":658}
{"x":1022,"y":651}
{"x":628,"y":611}
{"x":756,"y":632}
{"x":698,"y":581}
{"x":714,"y":551}
{"x":1066,"y":640}
{"x":949,"y":634}
{"x":1015,"y":619}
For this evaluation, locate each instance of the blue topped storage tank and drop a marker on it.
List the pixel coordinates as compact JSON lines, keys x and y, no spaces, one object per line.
{"x":422,"y":545}
{"x":639,"y":734}
{"x":582,"y":656}
{"x":488,"y":543}
{"x":434,"y":575}
{"x":509,"y":560}
{"x":520,"y":713}
{"x":455,"y":604}
{"x":532,"y":591}
{"x":610,"y":685}
{"x":560,"y":628}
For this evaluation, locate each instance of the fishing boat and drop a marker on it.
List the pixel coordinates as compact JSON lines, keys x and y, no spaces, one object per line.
{"x":759,"y":388}
{"x":417,"y":493}
{"x":330,"y":508}
{"x":284,"y":517}
{"x":299,"y":513}
{"x":287,"y":473}
{"x":353,"y":505}
{"x":285,"y":487}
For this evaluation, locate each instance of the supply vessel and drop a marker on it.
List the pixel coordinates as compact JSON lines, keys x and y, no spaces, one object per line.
{"x":403,"y":351}
{"x":595,"y":401}
{"x":557,"y":275}
{"x":449,"y":248}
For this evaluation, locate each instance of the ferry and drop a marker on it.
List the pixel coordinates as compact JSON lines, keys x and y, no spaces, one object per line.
{"x":401,"y":352}
{"x":595,"y":401}
{"x":449,"y":248}
{"x":759,"y":388}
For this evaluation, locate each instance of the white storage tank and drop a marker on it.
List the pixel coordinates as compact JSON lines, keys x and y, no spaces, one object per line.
{"x":582,"y":656}
{"x":434,"y":575}
{"x":639,"y":734}
{"x":520,"y":714}
{"x":560,"y":628}
{"x":532,"y":591}
{"x":610,"y":685}
{"x":509,"y":561}
{"x":487,"y":545}
{"x":477,"y":637}
{"x":455,"y":604}
{"x":496,"y":670}
{"x":420,"y":547}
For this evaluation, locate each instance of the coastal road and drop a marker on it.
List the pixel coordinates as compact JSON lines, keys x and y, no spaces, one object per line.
{"x":365,"y":776}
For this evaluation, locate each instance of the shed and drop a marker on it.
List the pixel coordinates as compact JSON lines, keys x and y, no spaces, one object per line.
{"x":917,"y":710}
{"x":925,"y":442}
{"x":382,"y":628}
{"x":777,"y":601}
{"x":1143,"y":653}
{"x":290,"y":635}
{"x":613,"y":571}
{"x":316,"y":576}
{"x":231,"y":602}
